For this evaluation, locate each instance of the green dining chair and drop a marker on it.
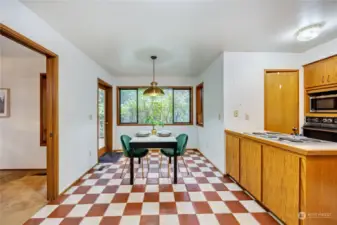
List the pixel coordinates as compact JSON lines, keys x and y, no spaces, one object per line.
{"x":139,"y":153}
{"x":181,"y":149}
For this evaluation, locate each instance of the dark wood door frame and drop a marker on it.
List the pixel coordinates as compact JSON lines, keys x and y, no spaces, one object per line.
{"x":52,"y":107}
{"x":108,"y":117}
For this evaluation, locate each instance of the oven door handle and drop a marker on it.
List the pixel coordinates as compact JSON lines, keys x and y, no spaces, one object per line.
{"x":323,"y":96}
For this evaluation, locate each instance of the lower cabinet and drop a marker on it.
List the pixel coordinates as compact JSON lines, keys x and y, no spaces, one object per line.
{"x":250,"y":166}
{"x":280,"y":183}
{"x":232,"y":156}
{"x":285,"y":182}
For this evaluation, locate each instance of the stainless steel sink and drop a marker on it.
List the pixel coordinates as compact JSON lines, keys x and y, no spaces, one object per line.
{"x":311,"y":140}
{"x":284,"y":137}
{"x":299,"y":139}
{"x":292,"y":139}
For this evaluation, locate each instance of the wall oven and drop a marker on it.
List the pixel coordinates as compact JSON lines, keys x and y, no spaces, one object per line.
{"x":324,"y":102}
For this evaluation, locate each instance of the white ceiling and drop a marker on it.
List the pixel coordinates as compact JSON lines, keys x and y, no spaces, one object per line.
{"x":187,"y":35}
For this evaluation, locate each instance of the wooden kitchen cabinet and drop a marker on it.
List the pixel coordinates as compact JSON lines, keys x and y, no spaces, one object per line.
{"x":315,"y":75}
{"x":331,"y":70}
{"x":232,"y":156}
{"x":285,"y":179}
{"x":250,"y":166}
{"x":321,"y":73}
{"x":310,"y":77}
{"x":280,"y":183}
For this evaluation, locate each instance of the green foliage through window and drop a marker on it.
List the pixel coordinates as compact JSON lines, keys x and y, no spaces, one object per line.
{"x":101,"y":112}
{"x":173,"y":107}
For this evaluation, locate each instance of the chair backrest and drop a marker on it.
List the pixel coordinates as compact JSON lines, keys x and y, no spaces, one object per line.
{"x":182,"y":143}
{"x":125,"y":139}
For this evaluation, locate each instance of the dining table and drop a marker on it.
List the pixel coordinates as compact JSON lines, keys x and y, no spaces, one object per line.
{"x":153,"y":141}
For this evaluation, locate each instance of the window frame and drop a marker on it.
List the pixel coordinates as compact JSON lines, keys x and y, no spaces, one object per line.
{"x":118,"y":108}
{"x":200,"y":104}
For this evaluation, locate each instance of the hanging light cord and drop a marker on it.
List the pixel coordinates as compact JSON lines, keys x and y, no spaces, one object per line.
{"x":154,"y":62}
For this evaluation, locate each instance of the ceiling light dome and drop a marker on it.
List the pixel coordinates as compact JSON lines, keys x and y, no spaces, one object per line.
{"x":310,"y":32}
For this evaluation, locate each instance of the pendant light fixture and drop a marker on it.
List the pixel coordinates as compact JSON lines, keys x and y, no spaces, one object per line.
{"x":154,"y":90}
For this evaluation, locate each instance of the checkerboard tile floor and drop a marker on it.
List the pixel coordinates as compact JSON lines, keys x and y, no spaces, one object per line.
{"x":201,"y":197}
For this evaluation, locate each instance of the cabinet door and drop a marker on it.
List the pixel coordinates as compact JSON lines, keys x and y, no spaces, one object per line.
{"x":315,"y":74}
{"x":320,"y":73}
{"x":309,"y":79}
{"x":250,"y":167}
{"x":331,"y":70}
{"x":232,"y":156}
{"x":280,"y":183}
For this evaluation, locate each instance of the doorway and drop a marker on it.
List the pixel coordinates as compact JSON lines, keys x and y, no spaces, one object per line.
{"x":281,"y":100}
{"x":51,"y":107}
{"x":104,"y":117}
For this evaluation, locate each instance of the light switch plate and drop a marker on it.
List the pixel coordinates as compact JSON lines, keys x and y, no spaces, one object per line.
{"x":246,"y":116}
{"x":236,"y":113}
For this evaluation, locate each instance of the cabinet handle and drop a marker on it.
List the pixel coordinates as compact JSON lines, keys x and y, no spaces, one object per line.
{"x":328,"y":78}
{"x":322,"y":79}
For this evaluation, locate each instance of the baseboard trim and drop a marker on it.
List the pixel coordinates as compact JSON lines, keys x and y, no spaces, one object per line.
{"x":77,"y":180}
{"x":34,"y":169}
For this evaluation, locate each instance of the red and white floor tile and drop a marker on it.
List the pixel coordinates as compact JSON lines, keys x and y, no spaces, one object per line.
{"x":202,"y":197}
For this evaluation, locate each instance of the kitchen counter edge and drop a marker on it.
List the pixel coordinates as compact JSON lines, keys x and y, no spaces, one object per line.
{"x":301,"y":151}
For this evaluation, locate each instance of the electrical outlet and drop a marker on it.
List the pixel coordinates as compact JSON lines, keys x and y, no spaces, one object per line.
{"x":90,"y":117}
{"x":236,"y":113}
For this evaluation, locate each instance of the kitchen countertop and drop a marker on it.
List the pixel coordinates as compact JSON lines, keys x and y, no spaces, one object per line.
{"x":306,"y":148}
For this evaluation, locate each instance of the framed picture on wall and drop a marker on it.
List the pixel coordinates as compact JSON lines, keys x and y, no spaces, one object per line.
{"x":4,"y":102}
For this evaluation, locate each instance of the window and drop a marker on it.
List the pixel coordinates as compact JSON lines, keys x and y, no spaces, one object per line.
{"x":200,"y":104}
{"x":43,"y":109}
{"x":175,"y":107}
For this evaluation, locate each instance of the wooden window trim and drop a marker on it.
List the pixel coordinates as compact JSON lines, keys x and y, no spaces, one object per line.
{"x":118,"y":88}
{"x":43,"y":78}
{"x":199,"y":105}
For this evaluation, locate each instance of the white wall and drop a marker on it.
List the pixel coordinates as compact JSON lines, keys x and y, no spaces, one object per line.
{"x":20,"y":133}
{"x":77,"y":91}
{"x":243,"y":82}
{"x":190,"y":130}
{"x":211,"y":135}
{"x":244,"y":86}
{"x":320,"y":52}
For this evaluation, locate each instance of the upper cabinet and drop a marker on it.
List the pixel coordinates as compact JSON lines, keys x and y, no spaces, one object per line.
{"x":331,"y":70}
{"x":321,"y":73}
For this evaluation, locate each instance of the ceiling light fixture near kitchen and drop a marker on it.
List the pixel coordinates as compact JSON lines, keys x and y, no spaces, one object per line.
{"x":154,"y":90}
{"x":310,"y":32}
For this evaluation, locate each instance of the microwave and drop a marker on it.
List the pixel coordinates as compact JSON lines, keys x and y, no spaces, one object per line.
{"x":325,"y":103}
